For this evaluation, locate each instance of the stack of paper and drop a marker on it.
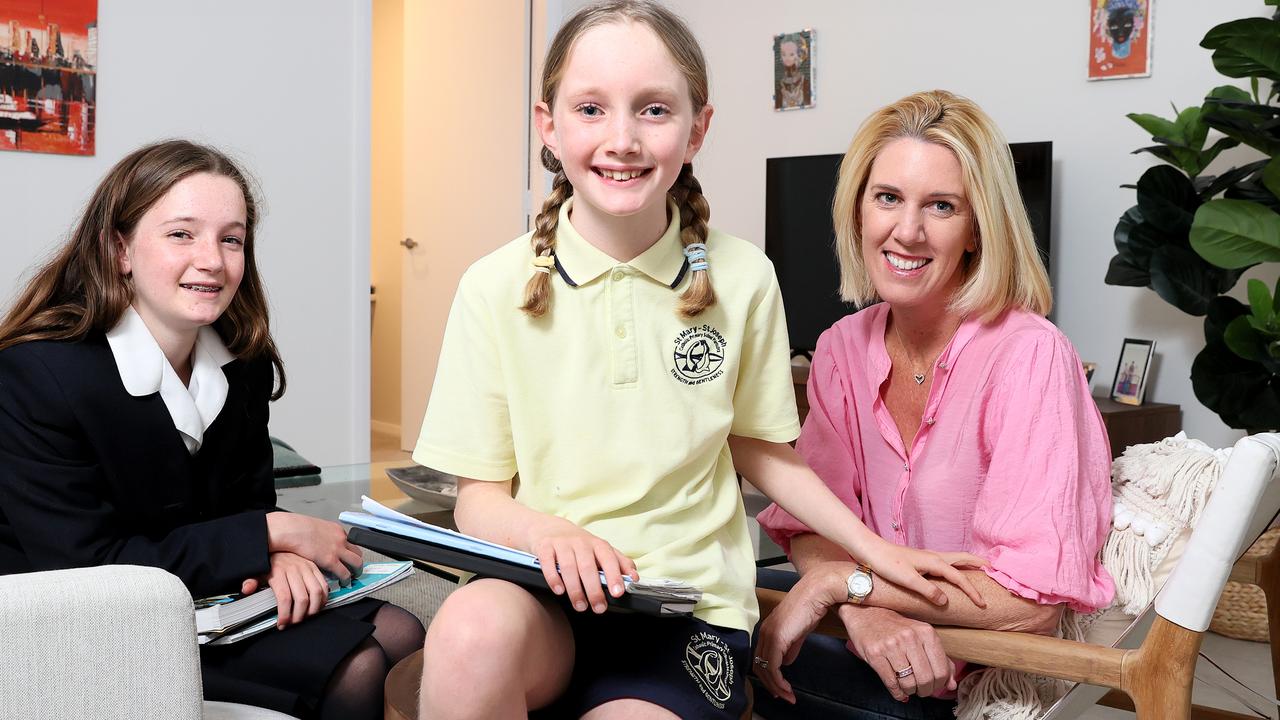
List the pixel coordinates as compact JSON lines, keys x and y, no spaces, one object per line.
{"x":436,"y":544}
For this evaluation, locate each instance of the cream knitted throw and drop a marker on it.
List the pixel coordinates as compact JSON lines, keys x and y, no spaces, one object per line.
{"x":1158,"y":491}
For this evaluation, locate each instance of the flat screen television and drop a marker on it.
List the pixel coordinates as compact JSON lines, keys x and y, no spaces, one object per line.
{"x":800,"y":240}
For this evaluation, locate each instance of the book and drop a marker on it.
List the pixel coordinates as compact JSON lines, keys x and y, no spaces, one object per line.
{"x":392,"y":533}
{"x":373,"y":576}
{"x":220,"y":612}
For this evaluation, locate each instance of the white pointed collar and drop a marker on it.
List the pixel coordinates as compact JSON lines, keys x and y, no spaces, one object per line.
{"x":145,"y":370}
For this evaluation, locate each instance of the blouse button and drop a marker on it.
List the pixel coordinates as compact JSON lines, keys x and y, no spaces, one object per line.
{"x":618,"y":275}
{"x":895,"y":525}
{"x":942,"y":365}
{"x":928,"y":421}
{"x":905,"y":466}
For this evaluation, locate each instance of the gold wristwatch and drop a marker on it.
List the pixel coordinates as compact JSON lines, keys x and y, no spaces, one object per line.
{"x":859,"y":584}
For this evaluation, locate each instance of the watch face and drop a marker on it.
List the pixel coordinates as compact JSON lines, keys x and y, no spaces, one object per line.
{"x":859,"y":585}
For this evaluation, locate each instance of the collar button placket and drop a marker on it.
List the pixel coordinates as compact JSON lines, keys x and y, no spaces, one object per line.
{"x":622,"y":319}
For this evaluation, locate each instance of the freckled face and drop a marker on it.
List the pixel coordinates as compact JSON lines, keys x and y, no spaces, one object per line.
{"x":917,"y":224}
{"x":622,"y":122}
{"x":186,"y":255}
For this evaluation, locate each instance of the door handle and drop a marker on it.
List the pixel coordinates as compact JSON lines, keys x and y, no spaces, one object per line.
{"x":409,"y":243}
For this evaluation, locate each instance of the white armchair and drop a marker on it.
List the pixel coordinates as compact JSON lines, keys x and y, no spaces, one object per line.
{"x":116,"y":641}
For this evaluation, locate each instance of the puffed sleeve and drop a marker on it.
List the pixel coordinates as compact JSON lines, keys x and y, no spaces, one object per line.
{"x":826,"y":444}
{"x":1045,"y":507}
{"x":53,"y":495}
{"x":764,"y":401}
{"x":467,"y":427}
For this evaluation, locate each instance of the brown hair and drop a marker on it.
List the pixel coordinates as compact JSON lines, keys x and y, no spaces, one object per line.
{"x":1005,"y":271}
{"x":81,"y":289}
{"x":686,"y":192}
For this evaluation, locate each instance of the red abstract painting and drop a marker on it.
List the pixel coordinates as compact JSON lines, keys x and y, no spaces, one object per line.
{"x":48,"y":75}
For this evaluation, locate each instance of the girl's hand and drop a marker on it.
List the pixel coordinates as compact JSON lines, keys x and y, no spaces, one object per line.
{"x":300,"y":588}
{"x":580,"y":557}
{"x":904,"y":566}
{"x":320,"y":541}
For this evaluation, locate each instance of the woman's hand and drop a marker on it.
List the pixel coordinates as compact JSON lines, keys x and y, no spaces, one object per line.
{"x":890,"y":643}
{"x":580,"y":556}
{"x":782,"y":634}
{"x":904,"y":566}
{"x":320,"y":541}
{"x":300,"y":588}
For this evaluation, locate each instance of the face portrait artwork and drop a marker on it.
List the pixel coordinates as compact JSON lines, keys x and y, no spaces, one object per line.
{"x":793,"y":70}
{"x":1120,"y":39}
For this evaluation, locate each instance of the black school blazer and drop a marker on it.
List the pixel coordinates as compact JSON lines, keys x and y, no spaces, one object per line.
{"x":90,"y":475}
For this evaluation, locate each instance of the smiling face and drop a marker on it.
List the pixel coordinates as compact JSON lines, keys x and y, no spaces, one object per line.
{"x":186,"y":255}
{"x":622,"y":122}
{"x":917,"y":224}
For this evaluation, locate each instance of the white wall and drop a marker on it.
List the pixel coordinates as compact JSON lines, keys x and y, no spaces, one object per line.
{"x":285,"y":89}
{"x":1026,"y":66}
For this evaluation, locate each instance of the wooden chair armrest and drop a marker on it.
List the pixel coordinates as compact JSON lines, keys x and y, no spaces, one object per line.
{"x":1052,"y":657}
{"x":1048,"y":656}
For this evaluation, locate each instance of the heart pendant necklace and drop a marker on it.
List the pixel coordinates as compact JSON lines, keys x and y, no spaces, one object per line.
{"x":919,"y":377}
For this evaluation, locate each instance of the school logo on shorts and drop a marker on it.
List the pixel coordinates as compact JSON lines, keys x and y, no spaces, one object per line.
{"x":698,"y":355}
{"x":708,"y":660}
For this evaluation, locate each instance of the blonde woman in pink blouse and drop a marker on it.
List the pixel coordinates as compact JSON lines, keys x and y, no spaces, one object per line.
{"x":951,"y":416}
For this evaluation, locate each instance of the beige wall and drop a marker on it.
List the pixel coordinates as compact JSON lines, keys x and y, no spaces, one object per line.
{"x":387,"y":212}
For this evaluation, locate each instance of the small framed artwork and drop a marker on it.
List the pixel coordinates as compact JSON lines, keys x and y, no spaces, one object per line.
{"x":1119,"y":39}
{"x":793,"y":70}
{"x":1131,"y":371}
{"x":1089,"y":368}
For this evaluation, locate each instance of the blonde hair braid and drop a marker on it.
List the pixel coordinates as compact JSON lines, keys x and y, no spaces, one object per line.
{"x":694,"y":214}
{"x":537,"y":292}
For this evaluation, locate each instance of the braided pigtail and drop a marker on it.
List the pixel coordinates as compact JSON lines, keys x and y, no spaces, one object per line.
{"x":537,"y":293}
{"x":694,"y":214}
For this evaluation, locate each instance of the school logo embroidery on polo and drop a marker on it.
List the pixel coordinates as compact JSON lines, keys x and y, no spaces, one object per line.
{"x":698,"y":355}
{"x":707,"y":659}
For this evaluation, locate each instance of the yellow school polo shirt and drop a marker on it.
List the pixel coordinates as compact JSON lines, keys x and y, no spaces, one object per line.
{"x":613,"y":408}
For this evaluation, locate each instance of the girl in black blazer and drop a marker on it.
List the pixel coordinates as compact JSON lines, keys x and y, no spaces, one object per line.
{"x":135,"y":372}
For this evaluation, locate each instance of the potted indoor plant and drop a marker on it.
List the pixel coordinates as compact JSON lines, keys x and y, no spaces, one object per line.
{"x":1191,"y":236}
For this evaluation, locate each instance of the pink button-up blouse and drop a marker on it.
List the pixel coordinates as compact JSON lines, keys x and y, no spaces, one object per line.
{"x":1011,"y":461}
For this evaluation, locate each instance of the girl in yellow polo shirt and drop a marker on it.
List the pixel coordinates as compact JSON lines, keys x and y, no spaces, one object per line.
{"x":595,"y":393}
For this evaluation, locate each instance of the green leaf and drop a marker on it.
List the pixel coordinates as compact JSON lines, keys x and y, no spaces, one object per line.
{"x":1260,"y":301}
{"x":1191,"y":130}
{"x":1167,"y":199}
{"x":1208,"y":156}
{"x":1271,"y":176}
{"x":1124,"y":273}
{"x":1253,"y":191}
{"x":1154,"y":124}
{"x":1236,"y":233}
{"x":1241,"y":392}
{"x":1245,"y":48}
{"x":1244,"y":341}
{"x":1229,"y":92}
{"x":1180,"y":280}
{"x":1208,"y":185}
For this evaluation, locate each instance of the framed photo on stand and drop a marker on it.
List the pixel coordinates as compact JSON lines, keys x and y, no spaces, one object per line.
{"x":1131,"y":372}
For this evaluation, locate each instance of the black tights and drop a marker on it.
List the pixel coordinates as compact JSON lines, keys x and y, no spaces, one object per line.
{"x":355,"y":690}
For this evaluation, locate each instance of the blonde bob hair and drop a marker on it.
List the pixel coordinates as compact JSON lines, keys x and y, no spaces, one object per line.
{"x":1005,"y":271}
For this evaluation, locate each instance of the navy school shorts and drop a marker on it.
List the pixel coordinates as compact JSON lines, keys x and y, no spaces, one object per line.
{"x":693,"y":669}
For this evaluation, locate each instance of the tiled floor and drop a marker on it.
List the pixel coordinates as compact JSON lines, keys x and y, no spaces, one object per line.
{"x":1248,"y":661}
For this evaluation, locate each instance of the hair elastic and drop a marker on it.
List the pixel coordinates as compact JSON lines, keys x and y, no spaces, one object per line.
{"x":543,"y":263}
{"x":696,"y":254}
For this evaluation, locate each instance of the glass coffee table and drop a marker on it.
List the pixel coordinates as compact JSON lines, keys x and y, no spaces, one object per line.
{"x":341,"y":487}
